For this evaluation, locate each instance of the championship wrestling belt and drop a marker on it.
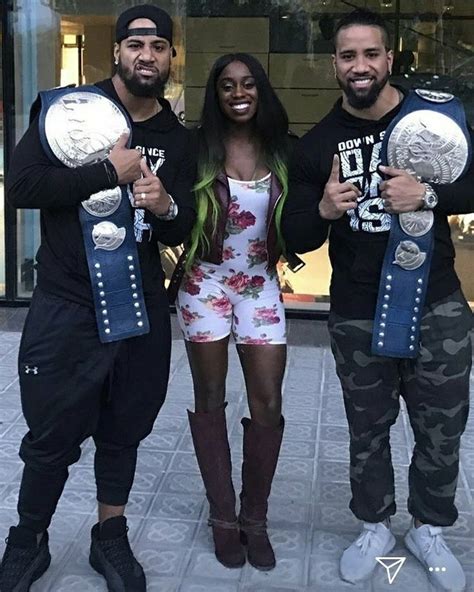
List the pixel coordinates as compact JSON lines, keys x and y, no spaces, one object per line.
{"x":78,"y":127}
{"x":429,"y":138}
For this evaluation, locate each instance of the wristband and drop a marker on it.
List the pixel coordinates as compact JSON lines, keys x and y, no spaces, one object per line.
{"x":111,"y":171}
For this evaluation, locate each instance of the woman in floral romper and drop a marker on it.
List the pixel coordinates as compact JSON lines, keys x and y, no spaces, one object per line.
{"x":231,"y":286}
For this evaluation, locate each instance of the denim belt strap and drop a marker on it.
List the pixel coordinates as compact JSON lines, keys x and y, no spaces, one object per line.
{"x":429,"y":138}
{"x":79,"y":126}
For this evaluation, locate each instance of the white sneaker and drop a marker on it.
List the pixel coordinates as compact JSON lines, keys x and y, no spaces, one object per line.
{"x":358,"y":561}
{"x":428,"y":546}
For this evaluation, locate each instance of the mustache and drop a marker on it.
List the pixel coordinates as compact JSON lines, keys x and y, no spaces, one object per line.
{"x":153,"y":87}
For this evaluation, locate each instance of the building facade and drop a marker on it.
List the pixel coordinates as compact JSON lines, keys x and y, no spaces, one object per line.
{"x":47,"y":43}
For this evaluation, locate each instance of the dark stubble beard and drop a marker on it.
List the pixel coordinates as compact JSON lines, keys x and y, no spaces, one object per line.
{"x":363,"y":101}
{"x":137,"y":88}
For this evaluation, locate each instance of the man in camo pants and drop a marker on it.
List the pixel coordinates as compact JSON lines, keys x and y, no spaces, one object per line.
{"x":335,"y":184}
{"x":434,"y":387}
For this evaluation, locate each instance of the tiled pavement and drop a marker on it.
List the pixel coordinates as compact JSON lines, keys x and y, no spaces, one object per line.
{"x":309,"y":519}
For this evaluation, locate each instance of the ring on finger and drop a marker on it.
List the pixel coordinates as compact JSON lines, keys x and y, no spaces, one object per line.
{"x":142,"y":196}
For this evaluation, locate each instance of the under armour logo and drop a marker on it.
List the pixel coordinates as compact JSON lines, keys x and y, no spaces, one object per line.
{"x":31,"y":369}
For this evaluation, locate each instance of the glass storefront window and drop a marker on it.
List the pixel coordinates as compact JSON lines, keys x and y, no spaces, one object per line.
{"x":61,"y":42}
{"x":36,"y":66}
{"x":2,"y":175}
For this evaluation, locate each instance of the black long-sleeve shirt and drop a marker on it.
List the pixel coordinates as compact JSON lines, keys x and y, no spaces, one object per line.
{"x":35,"y":182}
{"x":357,"y":240}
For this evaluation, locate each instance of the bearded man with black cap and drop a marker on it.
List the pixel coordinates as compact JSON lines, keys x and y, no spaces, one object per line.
{"x":95,"y":352}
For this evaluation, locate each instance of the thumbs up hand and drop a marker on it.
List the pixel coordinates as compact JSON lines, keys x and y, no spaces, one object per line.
{"x":125,"y":161}
{"x":337,"y":197}
{"x":401,"y":191}
{"x":149,"y":193}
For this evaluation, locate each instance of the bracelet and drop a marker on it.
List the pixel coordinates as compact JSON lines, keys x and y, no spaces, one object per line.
{"x":111,"y":171}
{"x":171,"y":213}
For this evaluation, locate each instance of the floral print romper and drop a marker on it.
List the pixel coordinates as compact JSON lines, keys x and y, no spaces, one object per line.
{"x":239,"y":295}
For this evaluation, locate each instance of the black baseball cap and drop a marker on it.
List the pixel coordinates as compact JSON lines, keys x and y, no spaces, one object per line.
{"x":163,"y":23}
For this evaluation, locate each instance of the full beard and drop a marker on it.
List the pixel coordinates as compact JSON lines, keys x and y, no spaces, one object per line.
{"x":363,"y":101}
{"x":138,"y":88}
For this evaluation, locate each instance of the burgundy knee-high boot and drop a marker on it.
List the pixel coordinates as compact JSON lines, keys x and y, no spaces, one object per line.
{"x":261,"y":449}
{"x":209,"y":433}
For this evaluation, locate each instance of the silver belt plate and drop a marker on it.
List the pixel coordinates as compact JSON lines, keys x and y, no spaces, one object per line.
{"x":103,"y":203}
{"x":430,"y":145}
{"x":416,"y":223}
{"x":409,"y":255}
{"x":108,"y":236}
{"x":82,"y":127}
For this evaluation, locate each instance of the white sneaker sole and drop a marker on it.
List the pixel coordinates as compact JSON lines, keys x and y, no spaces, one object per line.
{"x":413,"y":548}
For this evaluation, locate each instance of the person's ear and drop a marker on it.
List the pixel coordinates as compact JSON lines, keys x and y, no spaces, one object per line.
{"x":116,"y":53}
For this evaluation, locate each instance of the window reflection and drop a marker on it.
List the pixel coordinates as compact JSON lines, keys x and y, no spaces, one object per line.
{"x":61,"y":42}
{"x":2,"y":201}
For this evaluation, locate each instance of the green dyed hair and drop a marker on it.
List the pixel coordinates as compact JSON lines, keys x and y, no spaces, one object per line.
{"x":206,"y":205}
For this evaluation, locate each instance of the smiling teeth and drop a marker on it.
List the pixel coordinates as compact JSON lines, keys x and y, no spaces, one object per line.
{"x":241,"y":107}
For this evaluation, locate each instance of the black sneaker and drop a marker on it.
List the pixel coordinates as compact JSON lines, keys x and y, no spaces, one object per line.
{"x":112,"y":557}
{"x":24,"y":560}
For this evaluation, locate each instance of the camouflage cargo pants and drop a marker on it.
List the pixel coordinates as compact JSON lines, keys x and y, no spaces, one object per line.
{"x":435,"y":387}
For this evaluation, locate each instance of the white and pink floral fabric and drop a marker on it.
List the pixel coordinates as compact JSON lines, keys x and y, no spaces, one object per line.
{"x":239,"y":295}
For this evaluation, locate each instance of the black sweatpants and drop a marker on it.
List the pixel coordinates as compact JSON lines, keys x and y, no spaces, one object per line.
{"x":72,"y":387}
